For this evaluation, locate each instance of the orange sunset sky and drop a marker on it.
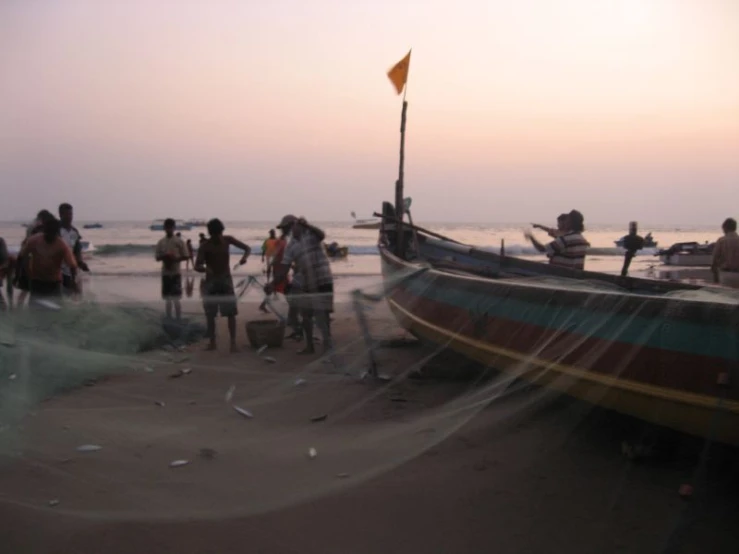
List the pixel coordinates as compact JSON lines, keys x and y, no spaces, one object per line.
{"x":518,"y":110}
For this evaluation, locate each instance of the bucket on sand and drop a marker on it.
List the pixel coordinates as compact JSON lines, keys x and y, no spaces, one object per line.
{"x":269,"y":332}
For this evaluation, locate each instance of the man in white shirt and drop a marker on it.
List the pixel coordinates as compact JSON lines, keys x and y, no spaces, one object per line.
{"x":71,"y":236}
{"x":171,"y":251}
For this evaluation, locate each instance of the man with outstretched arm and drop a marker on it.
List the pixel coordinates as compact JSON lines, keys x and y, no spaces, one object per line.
{"x":219,"y":296}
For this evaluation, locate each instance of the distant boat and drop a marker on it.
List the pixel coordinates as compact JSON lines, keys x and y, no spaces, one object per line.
{"x":371,"y":223}
{"x":93,"y":226}
{"x":158,"y":225}
{"x":196,"y":222}
{"x":649,"y":241}
{"x":691,"y":254}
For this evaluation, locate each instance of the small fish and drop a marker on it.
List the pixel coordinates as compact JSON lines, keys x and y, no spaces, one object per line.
{"x":261,"y":350}
{"x":186,"y":371}
{"x":312,"y":453}
{"x":48,"y":304}
{"x":207,"y":453}
{"x":159,"y":403}
{"x":89,"y":448}
{"x":243,"y":412}
{"x":179,"y":463}
{"x":299,"y":382}
{"x":319,"y":418}
{"x":269,"y":359}
{"x":54,"y":502}
{"x":12,"y":377}
{"x":230,"y":393}
{"x":147,"y":369}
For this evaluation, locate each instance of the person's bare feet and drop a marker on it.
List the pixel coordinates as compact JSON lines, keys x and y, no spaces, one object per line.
{"x":234,"y":348}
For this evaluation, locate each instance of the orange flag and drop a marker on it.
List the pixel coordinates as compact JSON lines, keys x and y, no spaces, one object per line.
{"x":398,"y":74}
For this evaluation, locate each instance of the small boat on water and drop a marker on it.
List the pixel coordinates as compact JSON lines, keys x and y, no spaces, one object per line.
{"x":158,"y":225}
{"x":196,"y":222}
{"x":92,"y":226}
{"x":336,"y":252}
{"x":649,"y":241}
{"x":666,"y":353}
{"x":371,"y":223}
{"x":687,"y":254}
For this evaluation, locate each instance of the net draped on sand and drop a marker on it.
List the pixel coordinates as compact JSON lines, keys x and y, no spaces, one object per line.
{"x":281,"y":434}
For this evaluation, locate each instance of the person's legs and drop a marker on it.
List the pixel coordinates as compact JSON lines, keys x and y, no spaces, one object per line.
{"x":307,"y":315}
{"x":232,"y":332}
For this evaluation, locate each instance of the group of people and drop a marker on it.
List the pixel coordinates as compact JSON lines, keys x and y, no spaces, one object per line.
{"x":297,"y":267}
{"x":48,"y":262}
{"x":569,"y":247}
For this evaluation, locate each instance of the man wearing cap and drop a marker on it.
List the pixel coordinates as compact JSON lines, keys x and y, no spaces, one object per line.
{"x":569,"y":249}
{"x":313,"y":272}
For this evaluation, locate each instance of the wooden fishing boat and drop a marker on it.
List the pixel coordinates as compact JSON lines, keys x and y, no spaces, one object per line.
{"x":667,"y":353}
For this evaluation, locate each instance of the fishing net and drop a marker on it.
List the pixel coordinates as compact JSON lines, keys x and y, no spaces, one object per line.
{"x":172,"y":433}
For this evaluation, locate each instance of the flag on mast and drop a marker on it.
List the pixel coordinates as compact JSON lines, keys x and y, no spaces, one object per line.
{"x":398,"y":74}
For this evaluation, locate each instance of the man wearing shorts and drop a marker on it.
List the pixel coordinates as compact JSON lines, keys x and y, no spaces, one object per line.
{"x":171,"y":251}
{"x":46,"y":252}
{"x":218,"y":290}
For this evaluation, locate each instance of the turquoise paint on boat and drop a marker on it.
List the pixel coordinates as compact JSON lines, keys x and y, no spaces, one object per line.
{"x":703,"y":339}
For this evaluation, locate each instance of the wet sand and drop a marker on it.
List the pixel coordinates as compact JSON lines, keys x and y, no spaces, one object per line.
{"x":454,"y":462}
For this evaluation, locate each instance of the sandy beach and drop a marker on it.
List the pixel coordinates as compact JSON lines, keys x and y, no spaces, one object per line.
{"x":457,"y":461}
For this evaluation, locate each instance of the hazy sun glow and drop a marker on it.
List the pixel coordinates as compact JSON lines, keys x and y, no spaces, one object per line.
{"x":248,"y":109}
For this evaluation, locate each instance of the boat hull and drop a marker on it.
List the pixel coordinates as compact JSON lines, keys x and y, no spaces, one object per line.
{"x":372,"y":225}
{"x":656,"y":359}
{"x":687,"y":260}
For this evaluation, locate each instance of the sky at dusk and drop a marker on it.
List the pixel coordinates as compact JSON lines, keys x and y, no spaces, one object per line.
{"x":518,"y":110}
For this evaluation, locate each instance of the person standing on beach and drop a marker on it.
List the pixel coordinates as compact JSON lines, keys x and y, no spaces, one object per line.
{"x":218,"y":289}
{"x":190,"y":253}
{"x":314,"y":268}
{"x":21,"y":279}
{"x":71,"y":236}
{"x":725,"y":263}
{"x":284,"y":283}
{"x":293,"y":288}
{"x":269,"y":246}
{"x":45,"y":253}
{"x":170,"y":250}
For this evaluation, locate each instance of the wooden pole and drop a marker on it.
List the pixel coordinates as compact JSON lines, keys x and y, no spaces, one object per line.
{"x":399,"y":209}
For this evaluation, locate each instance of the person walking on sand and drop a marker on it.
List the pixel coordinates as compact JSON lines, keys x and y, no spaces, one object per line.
{"x":46,"y":252}
{"x":190,"y":253}
{"x":218,"y":289}
{"x":71,"y":236}
{"x":170,"y":250}
{"x":725,"y":262}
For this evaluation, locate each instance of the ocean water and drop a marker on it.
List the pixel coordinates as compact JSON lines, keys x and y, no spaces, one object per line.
{"x":125,"y":249}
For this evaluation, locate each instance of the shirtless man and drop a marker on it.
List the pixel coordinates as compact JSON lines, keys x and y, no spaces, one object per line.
{"x":214,"y":260}
{"x":171,"y":251}
{"x":46,"y":252}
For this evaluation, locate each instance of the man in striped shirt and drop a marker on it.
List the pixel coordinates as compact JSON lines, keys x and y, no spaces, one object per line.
{"x":569,"y":249}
